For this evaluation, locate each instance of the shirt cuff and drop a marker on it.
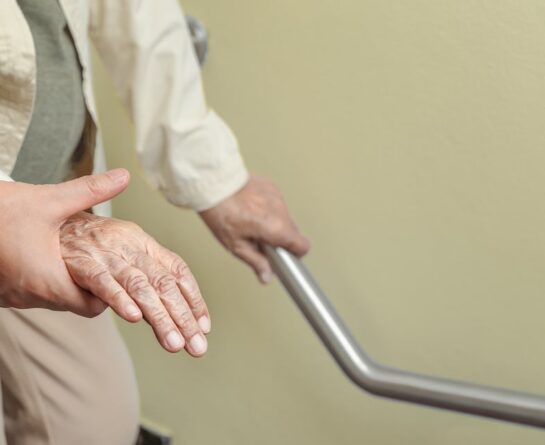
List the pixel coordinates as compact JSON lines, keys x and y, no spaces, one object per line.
{"x":207,"y":192}
{"x":198,"y":167}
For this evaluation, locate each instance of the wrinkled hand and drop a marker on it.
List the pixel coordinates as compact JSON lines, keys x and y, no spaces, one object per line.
{"x":126,"y":268}
{"x":32,"y":271}
{"x":254,"y":216}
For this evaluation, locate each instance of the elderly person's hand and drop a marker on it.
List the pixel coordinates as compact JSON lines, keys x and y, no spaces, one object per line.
{"x":255,"y":216}
{"x":126,"y":268}
{"x":55,"y":256}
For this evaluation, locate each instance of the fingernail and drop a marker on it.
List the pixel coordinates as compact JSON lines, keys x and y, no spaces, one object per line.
{"x":198,"y":344}
{"x":265,"y":277}
{"x":204,"y":323}
{"x":175,"y":340}
{"x":118,"y":175}
{"x":132,"y":310}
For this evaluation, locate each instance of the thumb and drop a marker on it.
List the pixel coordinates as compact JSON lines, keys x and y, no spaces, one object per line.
{"x":83,"y":193}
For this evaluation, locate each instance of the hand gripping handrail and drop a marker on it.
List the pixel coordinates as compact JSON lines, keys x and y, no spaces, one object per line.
{"x":384,"y":381}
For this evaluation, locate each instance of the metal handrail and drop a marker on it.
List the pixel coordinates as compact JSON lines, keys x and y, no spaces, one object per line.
{"x":396,"y":384}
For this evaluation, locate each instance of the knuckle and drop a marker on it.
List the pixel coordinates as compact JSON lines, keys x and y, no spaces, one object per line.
{"x":239,"y":249}
{"x":198,"y":305}
{"x":69,"y":245}
{"x":185,"y":317}
{"x":137,"y":284}
{"x":165,"y":285}
{"x":180,"y":267}
{"x":97,"y":274}
{"x":132,"y":226}
{"x":187,"y":322}
{"x":190,"y":286}
{"x":276,"y":226}
{"x":159,"y":318}
{"x":94,"y":185}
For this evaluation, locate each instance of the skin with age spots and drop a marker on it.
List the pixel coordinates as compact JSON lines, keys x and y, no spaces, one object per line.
{"x":118,"y":262}
{"x":54,"y":255}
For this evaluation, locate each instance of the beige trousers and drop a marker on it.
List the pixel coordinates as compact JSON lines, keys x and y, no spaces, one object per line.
{"x":66,"y":380}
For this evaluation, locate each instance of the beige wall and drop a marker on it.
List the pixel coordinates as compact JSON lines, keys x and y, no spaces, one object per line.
{"x":409,"y":139}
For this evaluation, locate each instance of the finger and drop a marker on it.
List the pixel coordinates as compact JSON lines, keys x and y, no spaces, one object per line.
{"x":76,"y":300}
{"x":249,"y":253}
{"x":73,"y":297}
{"x":136,"y":283}
{"x":83,"y":193}
{"x":166,"y":287}
{"x":98,"y":280}
{"x":284,"y":234}
{"x":186,"y":282}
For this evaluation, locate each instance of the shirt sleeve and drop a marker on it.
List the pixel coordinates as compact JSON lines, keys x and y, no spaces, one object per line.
{"x":5,"y":177}
{"x":188,"y":152}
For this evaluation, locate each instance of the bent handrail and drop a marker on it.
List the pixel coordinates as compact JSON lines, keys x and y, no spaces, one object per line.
{"x":498,"y":403}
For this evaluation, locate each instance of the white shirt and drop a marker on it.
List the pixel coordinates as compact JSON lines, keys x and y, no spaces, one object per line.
{"x":187,"y":151}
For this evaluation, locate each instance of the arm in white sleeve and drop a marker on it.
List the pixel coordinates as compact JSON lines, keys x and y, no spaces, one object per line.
{"x":4,"y":177}
{"x":189,"y":153}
